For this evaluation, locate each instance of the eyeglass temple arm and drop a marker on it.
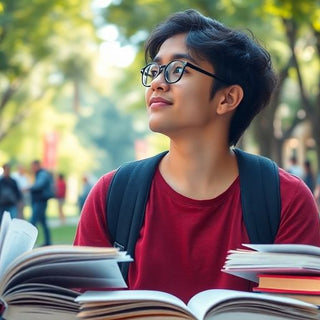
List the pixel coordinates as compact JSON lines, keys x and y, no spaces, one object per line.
{"x":206,"y":72}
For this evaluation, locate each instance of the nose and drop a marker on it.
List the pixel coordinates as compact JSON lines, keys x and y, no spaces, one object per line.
{"x":159,"y":82}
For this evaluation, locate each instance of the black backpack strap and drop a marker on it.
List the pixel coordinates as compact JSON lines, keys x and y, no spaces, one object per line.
{"x":126,"y":202}
{"x":260,"y":196}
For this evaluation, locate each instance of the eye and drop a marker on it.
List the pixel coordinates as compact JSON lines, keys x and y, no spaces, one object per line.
{"x":178,"y":69}
{"x":152,"y":71}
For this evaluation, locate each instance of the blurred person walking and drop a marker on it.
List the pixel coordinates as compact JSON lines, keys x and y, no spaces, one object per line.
{"x":61,"y":188}
{"x":10,"y":195}
{"x":23,"y":181}
{"x":308,"y":175}
{"x":295,"y":168}
{"x":86,"y":187}
{"x":41,"y":191}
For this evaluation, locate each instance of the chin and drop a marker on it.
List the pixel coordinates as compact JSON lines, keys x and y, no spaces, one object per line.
{"x":158,"y":126}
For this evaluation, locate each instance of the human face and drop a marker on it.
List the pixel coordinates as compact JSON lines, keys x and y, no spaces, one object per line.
{"x":185,"y":106}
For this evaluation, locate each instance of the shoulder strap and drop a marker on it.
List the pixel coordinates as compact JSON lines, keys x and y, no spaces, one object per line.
{"x":126,"y":201}
{"x":260,"y":196}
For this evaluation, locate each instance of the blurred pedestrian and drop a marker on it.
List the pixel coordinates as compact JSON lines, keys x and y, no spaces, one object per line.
{"x":41,"y":192}
{"x":61,"y":188}
{"x":23,"y":181}
{"x":295,"y":168}
{"x":86,"y":187}
{"x":308,"y":175}
{"x":10,"y":195}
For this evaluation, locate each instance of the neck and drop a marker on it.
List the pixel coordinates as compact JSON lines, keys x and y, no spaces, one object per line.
{"x":199,"y":172}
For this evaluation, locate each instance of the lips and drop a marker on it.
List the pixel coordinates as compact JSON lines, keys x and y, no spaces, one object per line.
{"x":158,"y":102}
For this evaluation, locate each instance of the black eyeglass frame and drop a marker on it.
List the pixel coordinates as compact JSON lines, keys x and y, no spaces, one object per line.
{"x":185,"y":64}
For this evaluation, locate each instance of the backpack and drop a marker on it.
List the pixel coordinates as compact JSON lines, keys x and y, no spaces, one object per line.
{"x":8,"y":195}
{"x":129,"y":192}
{"x":48,"y":191}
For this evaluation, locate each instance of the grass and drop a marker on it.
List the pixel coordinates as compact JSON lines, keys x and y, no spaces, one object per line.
{"x":60,"y":234}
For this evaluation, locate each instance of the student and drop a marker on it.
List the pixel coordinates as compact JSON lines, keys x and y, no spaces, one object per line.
{"x":204,"y":84}
{"x":41,"y":191}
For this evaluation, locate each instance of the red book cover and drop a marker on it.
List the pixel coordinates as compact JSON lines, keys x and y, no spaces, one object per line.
{"x":268,"y":290}
{"x":297,"y":283}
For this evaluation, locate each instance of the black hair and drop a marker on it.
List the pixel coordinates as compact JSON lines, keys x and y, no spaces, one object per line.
{"x":236,"y":57}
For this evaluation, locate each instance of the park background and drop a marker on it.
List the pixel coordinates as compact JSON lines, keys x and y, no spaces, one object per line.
{"x":70,"y":92}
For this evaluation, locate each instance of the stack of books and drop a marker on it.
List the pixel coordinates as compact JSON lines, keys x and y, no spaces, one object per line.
{"x":42,"y":283}
{"x":306,"y":288}
{"x":286,"y":270}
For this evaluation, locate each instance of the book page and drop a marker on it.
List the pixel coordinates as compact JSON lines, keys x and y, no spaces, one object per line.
{"x":251,"y":273}
{"x":204,"y":301}
{"x":272,"y":259}
{"x":98,"y":273}
{"x":56,"y":253}
{"x":68,"y":266}
{"x":20,"y":237}
{"x":139,"y":301}
{"x":230,"y":304}
{"x":5,"y":222}
{"x":286,"y":248}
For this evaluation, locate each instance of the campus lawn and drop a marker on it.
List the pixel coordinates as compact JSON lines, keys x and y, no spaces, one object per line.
{"x":60,"y":233}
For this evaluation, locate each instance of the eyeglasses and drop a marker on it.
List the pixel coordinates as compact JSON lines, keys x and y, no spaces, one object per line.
{"x":173,"y":72}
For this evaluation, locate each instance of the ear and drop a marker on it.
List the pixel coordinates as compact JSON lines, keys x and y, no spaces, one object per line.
{"x":230,"y":98}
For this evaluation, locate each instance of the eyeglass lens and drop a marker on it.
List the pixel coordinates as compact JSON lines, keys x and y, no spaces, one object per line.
{"x":172,"y":72}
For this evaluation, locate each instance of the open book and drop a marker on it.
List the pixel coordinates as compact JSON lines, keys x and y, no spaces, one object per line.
{"x":216,"y":304}
{"x":42,"y":283}
{"x":273,"y":259}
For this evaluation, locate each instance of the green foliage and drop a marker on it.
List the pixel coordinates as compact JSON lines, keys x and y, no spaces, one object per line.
{"x":110,"y":132}
{"x":35,"y":44}
{"x":46,"y":47}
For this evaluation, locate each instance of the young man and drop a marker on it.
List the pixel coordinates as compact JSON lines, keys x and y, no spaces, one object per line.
{"x":205,"y":83}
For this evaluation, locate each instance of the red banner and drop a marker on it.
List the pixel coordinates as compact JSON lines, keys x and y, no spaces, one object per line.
{"x":50,"y":150}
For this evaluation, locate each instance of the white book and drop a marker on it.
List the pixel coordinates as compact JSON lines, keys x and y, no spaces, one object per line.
{"x":216,"y":304}
{"x":273,"y":259}
{"x":42,"y":283}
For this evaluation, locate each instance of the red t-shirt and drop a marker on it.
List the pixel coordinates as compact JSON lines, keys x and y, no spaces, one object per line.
{"x":184,"y":242}
{"x":61,"y":189}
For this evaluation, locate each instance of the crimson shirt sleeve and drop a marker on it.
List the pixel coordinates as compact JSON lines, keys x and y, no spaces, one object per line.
{"x":300,"y":222}
{"x":92,"y":226}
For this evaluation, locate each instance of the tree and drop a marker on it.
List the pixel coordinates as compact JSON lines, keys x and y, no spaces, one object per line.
{"x":108,"y":133}
{"x":299,"y":24}
{"x":31,"y":37}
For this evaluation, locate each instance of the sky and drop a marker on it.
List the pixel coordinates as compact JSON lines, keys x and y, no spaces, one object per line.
{"x":111,"y":52}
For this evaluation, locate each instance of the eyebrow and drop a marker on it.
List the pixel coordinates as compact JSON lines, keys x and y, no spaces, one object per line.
{"x":184,"y":56}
